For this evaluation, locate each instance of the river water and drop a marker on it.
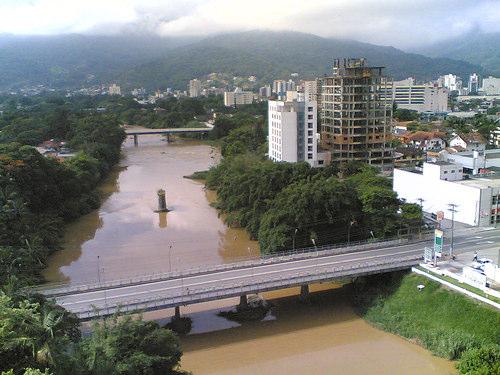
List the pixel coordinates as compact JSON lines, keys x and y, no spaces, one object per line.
{"x":125,"y":237}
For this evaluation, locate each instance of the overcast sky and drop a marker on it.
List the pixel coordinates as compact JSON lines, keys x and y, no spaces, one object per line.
{"x":401,"y":23}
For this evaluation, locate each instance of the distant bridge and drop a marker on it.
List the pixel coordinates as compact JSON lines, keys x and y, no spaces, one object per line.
{"x":136,"y":132}
{"x":175,"y":289}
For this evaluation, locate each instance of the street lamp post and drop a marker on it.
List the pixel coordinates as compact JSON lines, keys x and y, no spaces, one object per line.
{"x":351,"y":223}
{"x":294,"y":234}
{"x":452,"y":208}
{"x":170,"y":258}
{"x":98,"y":271}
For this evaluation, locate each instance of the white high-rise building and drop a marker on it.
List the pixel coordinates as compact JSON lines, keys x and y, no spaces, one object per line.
{"x":422,"y":98}
{"x":491,"y":85}
{"x":194,"y":88}
{"x":451,"y":82}
{"x":473,"y":85}
{"x":292,"y":131}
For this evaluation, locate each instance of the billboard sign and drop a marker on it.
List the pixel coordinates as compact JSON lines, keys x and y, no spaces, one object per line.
{"x":438,"y":242}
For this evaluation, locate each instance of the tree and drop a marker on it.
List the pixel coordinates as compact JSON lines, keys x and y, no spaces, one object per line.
{"x":34,"y":334}
{"x":130,"y":346}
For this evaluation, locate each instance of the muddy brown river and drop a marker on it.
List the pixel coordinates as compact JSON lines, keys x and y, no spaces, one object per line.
{"x":125,"y":237}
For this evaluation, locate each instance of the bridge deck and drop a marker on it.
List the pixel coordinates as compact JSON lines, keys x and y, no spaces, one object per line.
{"x":224,"y":284}
{"x":166,"y":131}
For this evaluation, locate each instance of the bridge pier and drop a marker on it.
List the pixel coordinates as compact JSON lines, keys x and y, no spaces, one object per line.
{"x":304,"y":292}
{"x":177,"y":312}
{"x":168,"y":137}
{"x":136,"y":140}
{"x":243,"y":302}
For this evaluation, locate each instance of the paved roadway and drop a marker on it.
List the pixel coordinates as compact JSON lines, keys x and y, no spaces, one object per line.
{"x":192,"y":285}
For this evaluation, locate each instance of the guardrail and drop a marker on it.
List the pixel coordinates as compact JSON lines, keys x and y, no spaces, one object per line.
{"x":188,"y":295}
{"x":305,"y":253}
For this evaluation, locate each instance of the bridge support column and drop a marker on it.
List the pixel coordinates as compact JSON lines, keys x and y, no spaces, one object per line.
{"x":136,"y":140}
{"x":243,"y":302}
{"x":177,"y":312}
{"x":168,"y":137}
{"x":304,"y":292}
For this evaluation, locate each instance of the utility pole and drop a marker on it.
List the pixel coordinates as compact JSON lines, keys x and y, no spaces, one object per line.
{"x":421,"y":203}
{"x":452,"y":207}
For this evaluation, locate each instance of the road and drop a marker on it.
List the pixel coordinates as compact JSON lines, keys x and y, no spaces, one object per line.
{"x":285,"y":271}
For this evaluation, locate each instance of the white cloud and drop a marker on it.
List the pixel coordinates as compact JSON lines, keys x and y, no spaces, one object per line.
{"x":396,"y":22}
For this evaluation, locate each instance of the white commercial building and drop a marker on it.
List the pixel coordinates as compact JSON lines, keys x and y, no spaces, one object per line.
{"x":473,"y":162}
{"x":428,"y":97}
{"x":292,"y":131}
{"x":440,"y":184}
{"x":237,"y":97}
{"x":194,"y":88}
{"x":491,"y":86}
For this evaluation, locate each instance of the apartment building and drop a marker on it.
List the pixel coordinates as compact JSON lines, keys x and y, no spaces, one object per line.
{"x":237,"y":97}
{"x":292,"y":131}
{"x":356,"y":114}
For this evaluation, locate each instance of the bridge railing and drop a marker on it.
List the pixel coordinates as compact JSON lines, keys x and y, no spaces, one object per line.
{"x":188,"y":295}
{"x":265,"y":259}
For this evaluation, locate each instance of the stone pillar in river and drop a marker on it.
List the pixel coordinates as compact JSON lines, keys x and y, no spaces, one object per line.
{"x":136,"y":140}
{"x":162,"y":201}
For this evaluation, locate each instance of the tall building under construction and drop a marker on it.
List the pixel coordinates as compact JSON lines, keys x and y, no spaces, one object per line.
{"x":355,"y":115}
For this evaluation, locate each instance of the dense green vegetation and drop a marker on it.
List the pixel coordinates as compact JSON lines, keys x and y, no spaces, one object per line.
{"x":479,"y":123}
{"x":38,"y":196}
{"x":447,"y":323}
{"x":284,"y":204}
{"x":405,"y":114}
{"x":158,"y":63}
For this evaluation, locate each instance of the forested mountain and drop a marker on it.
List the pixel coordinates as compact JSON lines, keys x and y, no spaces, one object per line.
{"x":75,"y":60}
{"x":477,"y":48}
{"x":153,"y":62}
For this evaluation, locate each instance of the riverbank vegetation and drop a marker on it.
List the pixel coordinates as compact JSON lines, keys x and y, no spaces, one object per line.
{"x":38,"y":196}
{"x":286,"y":205}
{"x":448,"y":324}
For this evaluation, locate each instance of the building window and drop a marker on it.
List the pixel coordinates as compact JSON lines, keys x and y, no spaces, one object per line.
{"x":309,"y":117}
{"x":309,"y":156}
{"x":310,"y":125}
{"x":309,"y":109}
{"x":445,"y":172}
{"x":309,"y":148}
{"x":452,"y":171}
{"x":309,"y":141}
{"x":310,"y":132}
{"x":320,"y":162}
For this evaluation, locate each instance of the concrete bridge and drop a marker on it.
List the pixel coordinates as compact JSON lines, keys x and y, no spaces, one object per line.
{"x":136,"y":132}
{"x":182,"y":288}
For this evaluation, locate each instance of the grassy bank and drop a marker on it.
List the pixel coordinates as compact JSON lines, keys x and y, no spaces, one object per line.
{"x":448,"y":324}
